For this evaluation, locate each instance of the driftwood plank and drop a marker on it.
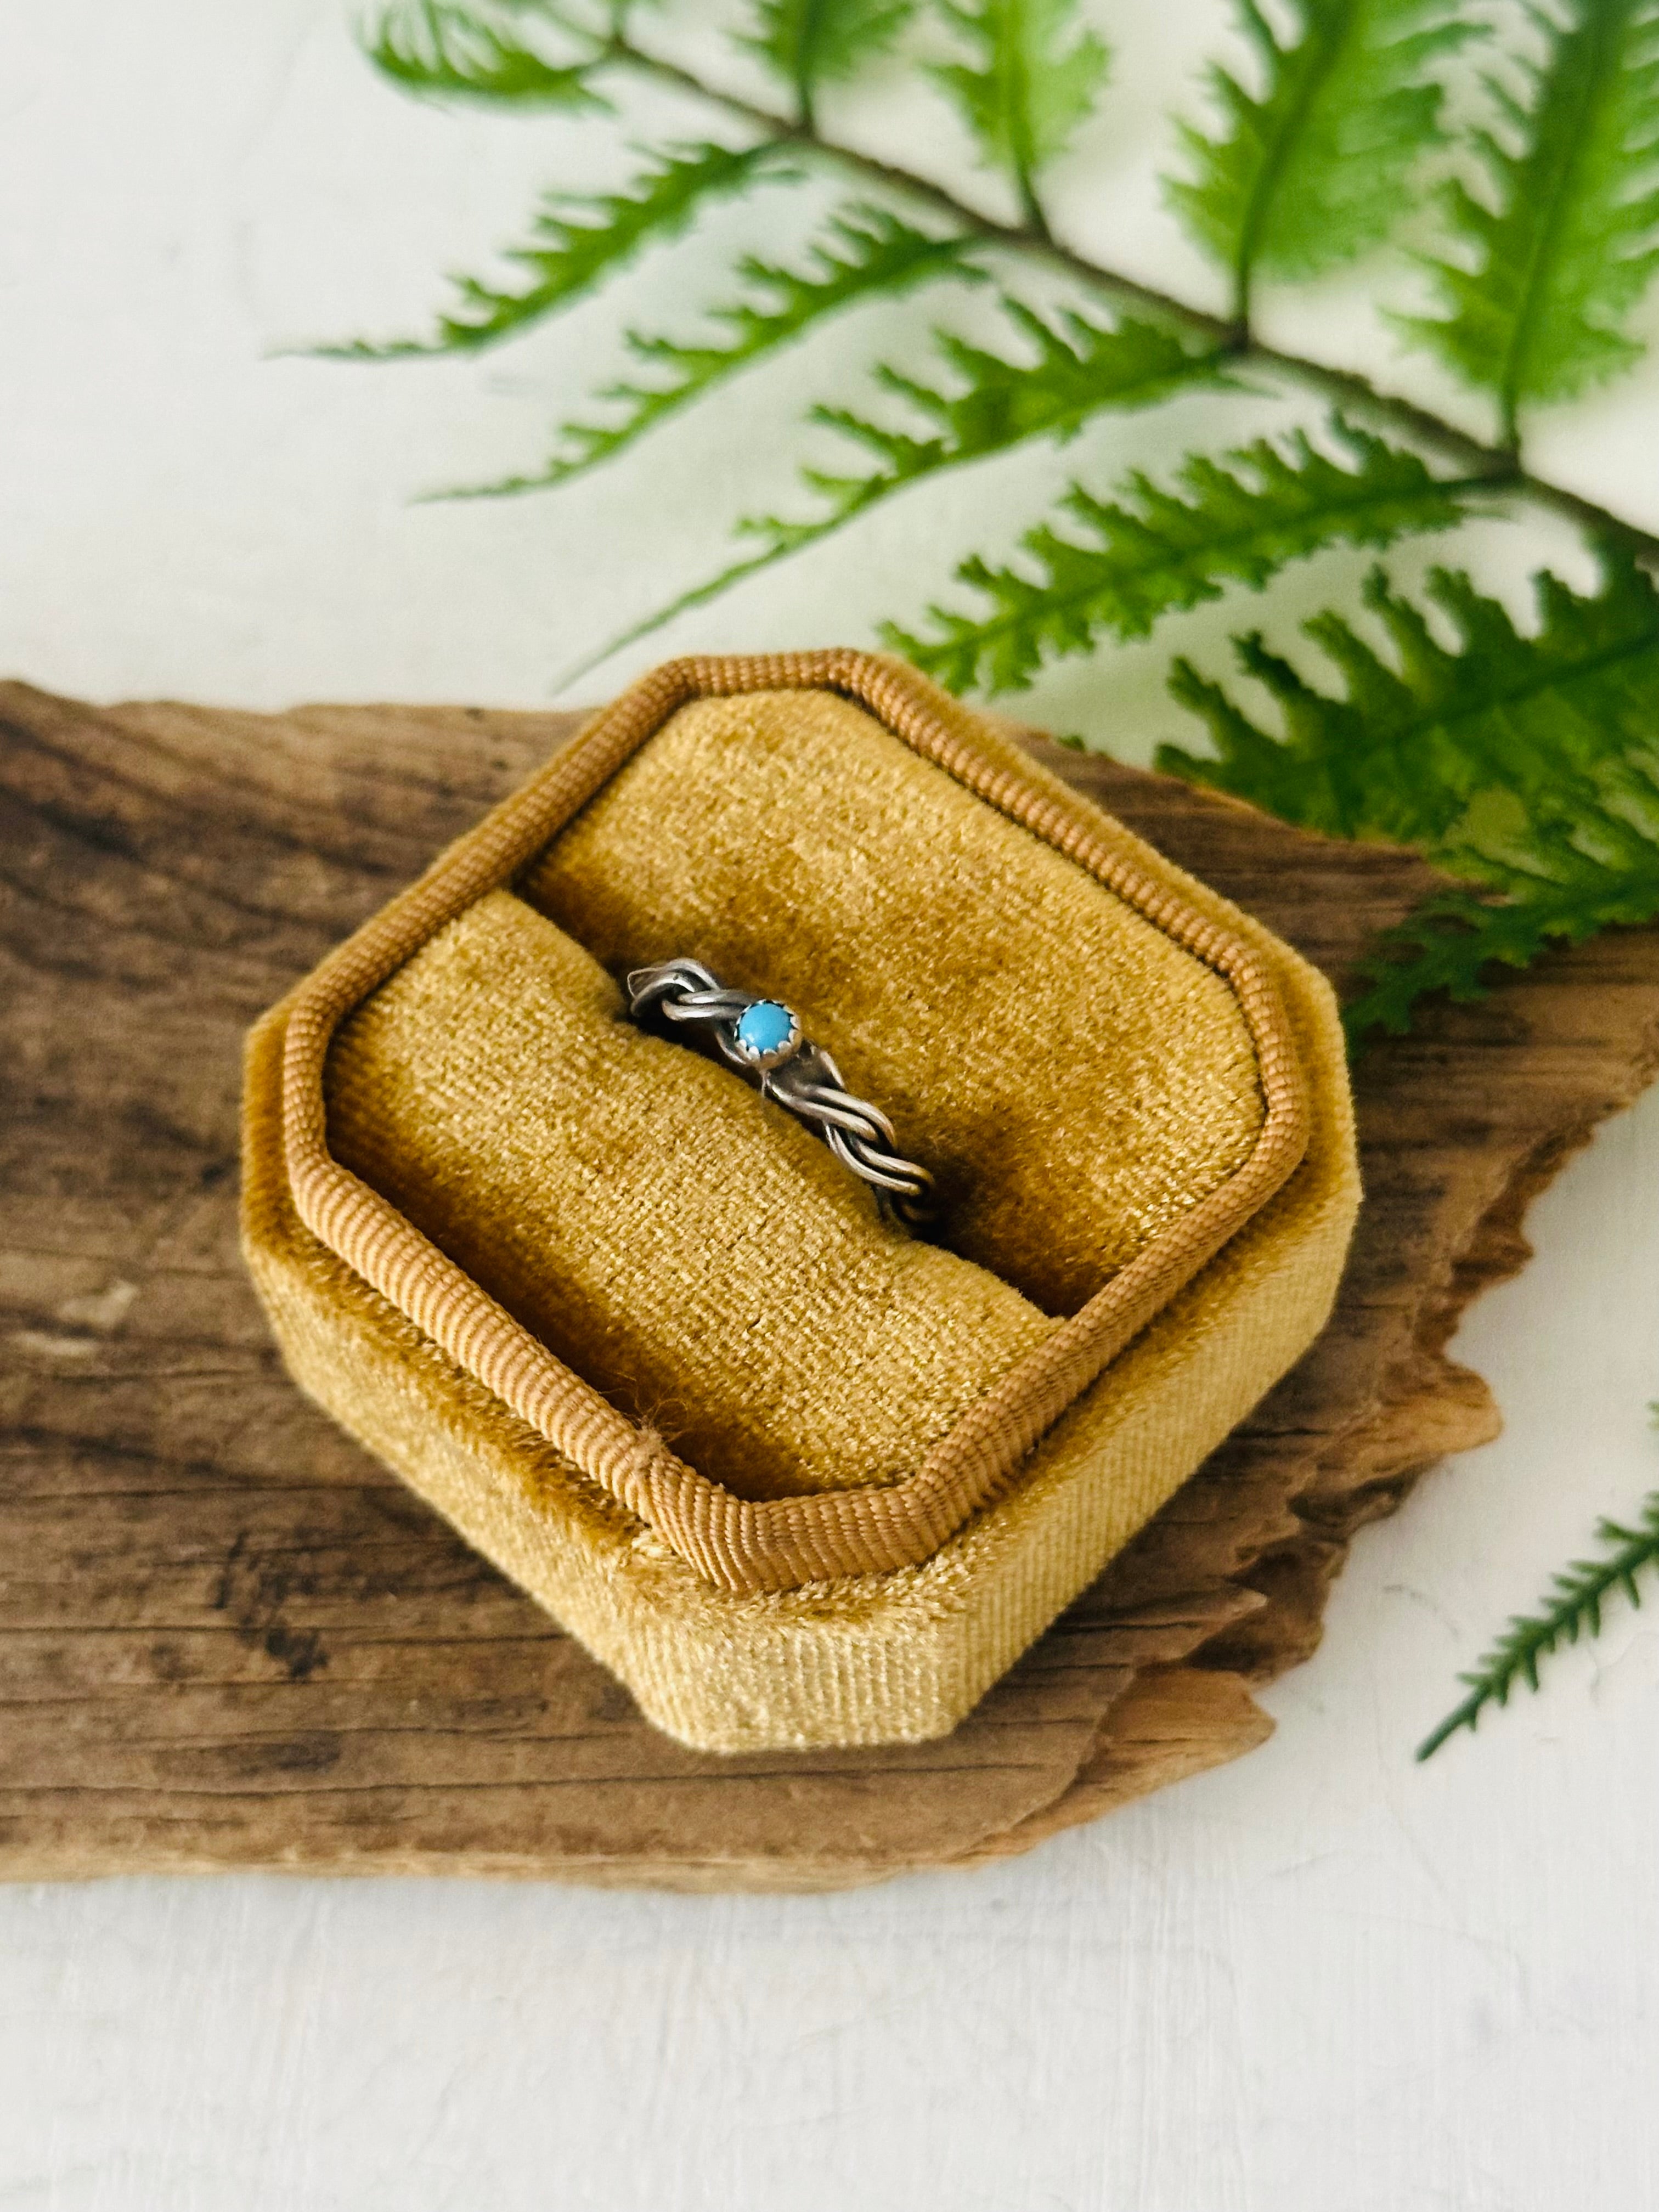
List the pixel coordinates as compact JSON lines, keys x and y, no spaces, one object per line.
{"x":227,"y":1638}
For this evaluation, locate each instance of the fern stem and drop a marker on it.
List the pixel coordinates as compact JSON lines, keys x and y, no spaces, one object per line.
{"x":1498,"y":465}
{"x":1025,"y":168}
{"x":1271,"y":174}
{"x":807,"y":114}
{"x":1037,"y":223}
{"x":1512,"y":381}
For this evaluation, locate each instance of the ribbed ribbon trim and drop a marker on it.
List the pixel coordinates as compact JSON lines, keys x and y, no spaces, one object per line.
{"x":744,"y":1545}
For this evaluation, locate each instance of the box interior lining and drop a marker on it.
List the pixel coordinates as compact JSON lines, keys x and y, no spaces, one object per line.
{"x":694,"y":1253}
{"x":1075,"y":1080}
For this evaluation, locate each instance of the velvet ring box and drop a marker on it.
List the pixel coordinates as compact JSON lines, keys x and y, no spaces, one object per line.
{"x":797,"y":1477}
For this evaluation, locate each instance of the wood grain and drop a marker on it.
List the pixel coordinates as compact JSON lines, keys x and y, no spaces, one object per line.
{"x":228,"y":1639}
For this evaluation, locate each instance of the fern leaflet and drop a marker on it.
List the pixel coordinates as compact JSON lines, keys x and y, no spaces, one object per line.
{"x":580,"y":241}
{"x":1155,"y":552}
{"x":813,"y":42}
{"x":1082,"y":368}
{"x":866,"y":251}
{"x":1571,"y":1607}
{"x":1026,"y":89}
{"x":456,"y":54}
{"x":1528,"y":765}
{"x":1549,"y":270}
{"x":1402,"y":755}
{"x":1316,"y":169}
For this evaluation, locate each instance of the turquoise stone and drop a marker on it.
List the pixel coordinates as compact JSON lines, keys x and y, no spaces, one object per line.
{"x":766,"y":1028}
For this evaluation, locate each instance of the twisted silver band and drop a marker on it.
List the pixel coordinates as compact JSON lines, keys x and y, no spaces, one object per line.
{"x":763,"y":1040}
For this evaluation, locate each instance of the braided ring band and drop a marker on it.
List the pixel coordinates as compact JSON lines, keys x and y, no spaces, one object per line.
{"x":763,"y":1040}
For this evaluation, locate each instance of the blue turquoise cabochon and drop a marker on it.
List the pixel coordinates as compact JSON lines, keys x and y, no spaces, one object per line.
{"x":765,"y":1027}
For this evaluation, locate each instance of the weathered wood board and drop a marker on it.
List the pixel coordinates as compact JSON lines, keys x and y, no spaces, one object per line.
{"x":228,"y":1639}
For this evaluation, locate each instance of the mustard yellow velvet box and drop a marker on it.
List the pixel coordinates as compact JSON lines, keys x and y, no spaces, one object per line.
{"x":798,"y":1477}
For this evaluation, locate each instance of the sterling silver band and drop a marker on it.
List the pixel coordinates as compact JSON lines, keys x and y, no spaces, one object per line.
{"x":763,"y":1040}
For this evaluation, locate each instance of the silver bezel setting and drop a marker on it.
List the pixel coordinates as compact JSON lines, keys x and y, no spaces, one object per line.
{"x":764,"y":1062}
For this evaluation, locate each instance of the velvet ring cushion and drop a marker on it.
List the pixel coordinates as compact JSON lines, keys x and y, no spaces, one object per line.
{"x":799,"y":1476}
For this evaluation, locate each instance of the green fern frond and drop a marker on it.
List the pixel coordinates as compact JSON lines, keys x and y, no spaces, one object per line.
{"x":452,"y":52}
{"x":1527,"y":764}
{"x":809,"y":43}
{"x":1317,"y":168}
{"x":1571,"y":1609}
{"x":581,"y":240}
{"x":1030,"y":84}
{"x":1589,"y":871}
{"x":1237,"y":520}
{"x":1081,"y":369}
{"x":1548,"y":270}
{"x":865,"y":252}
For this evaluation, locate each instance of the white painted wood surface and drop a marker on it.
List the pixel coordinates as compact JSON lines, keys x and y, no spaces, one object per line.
{"x":1320,"y":1981}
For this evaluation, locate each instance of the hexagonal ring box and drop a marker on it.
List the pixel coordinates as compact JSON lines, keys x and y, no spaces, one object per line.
{"x":797,"y":1476}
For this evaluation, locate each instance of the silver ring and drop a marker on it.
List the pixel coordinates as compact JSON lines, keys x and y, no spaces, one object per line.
{"x":761,"y":1038}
